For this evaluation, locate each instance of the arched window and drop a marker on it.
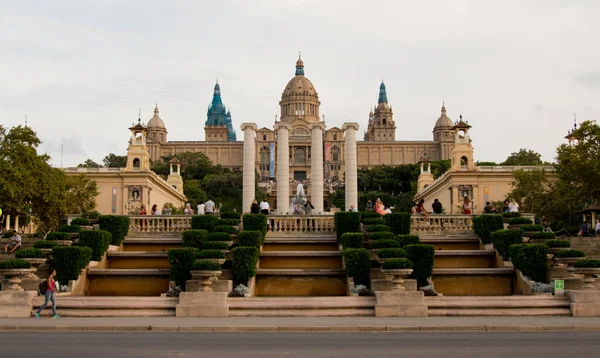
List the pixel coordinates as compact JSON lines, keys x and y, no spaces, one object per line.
{"x":335,"y":154}
{"x":300,"y":156}
{"x":264,"y":137}
{"x":464,"y":163}
{"x":335,"y":136}
{"x":384,"y":121}
{"x":136,"y":163}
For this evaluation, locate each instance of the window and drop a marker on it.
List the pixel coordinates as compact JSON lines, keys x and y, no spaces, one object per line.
{"x":136,"y":163}
{"x":335,"y":154}
{"x":264,"y":137}
{"x":300,"y":156}
{"x":384,"y":121}
{"x":335,"y":136}
{"x":464,"y":163}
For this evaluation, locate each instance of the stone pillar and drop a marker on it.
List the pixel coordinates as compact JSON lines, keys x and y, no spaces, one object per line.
{"x":283,"y":168}
{"x":316,"y":167}
{"x":350,"y":175}
{"x":249,"y":165}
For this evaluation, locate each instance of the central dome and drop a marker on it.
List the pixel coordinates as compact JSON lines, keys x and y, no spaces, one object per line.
{"x":299,"y":98}
{"x":299,"y":86}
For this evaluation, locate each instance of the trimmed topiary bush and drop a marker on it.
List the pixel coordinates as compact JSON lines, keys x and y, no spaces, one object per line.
{"x":256,"y":222}
{"x":369,"y":214}
{"x":181,"y":261}
{"x":587,"y":263}
{"x":397,"y":264}
{"x":532,"y":227}
{"x":405,"y":240}
{"x":374,"y":221}
{"x":511,"y":215}
{"x":385,"y":244}
{"x":32,"y":253}
{"x":379,"y":228}
{"x":503,"y":239}
{"x":14,"y":264}
{"x":391,"y":253}
{"x":422,"y":257}
{"x":215,"y":245}
{"x":117,"y":225}
{"x":520,"y":221}
{"x":58,"y":236}
{"x":251,"y":238}
{"x":218,"y":236}
{"x":230,"y":222}
{"x":97,"y":240}
{"x":69,"y":228}
{"x":484,"y":225}
{"x":243,"y":266}
{"x":358,"y":265}
{"x":558,"y":243}
{"x":399,"y":223}
{"x":352,"y":240}
{"x":193,"y":238}
{"x":80,"y":222}
{"x":206,"y":266}
{"x":382,"y":235}
{"x":542,"y":236}
{"x":210,"y":254}
{"x":346,"y":221}
{"x":69,"y":261}
{"x":569,"y":253}
{"x":231,"y":215}
{"x":531,"y":259}
{"x":225,"y":228}
{"x":204,"y":222}
{"x":44,"y":244}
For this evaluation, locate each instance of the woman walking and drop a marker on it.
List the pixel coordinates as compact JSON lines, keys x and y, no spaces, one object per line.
{"x":49,"y":295}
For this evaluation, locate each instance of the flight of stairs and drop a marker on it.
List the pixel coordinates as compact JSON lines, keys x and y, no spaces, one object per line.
{"x":301,"y":306}
{"x":115,"y":306}
{"x":539,"y":305}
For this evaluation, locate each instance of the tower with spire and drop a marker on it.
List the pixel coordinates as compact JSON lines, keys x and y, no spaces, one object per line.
{"x":443,"y":134}
{"x":218,"y":126}
{"x":381,"y":127}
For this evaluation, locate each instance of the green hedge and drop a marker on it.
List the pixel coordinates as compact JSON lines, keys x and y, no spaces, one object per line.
{"x":532,"y":227}
{"x":225,"y":228}
{"x":484,"y":225}
{"x":542,"y":236}
{"x":503,"y":239}
{"x":251,"y":238}
{"x":210,"y":254}
{"x":520,"y":221}
{"x":391,"y":253}
{"x":97,"y":240}
{"x":181,"y":261}
{"x":399,"y":223}
{"x":255,"y":222}
{"x":379,"y":228}
{"x":587,"y":263}
{"x":69,"y":261}
{"x":117,"y":225}
{"x":374,"y":221}
{"x":382,"y":235}
{"x":397,"y":264}
{"x":558,"y":243}
{"x":44,"y":244}
{"x":422,"y":257}
{"x":69,"y":228}
{"x":204,"y":222}
{"x":346,"y":221}
{"x":569,"y":253}
{"x":193,"y":238}
{"x":243,"y":266}
{"x":58,"y":236}
{"x":231,"y":215}
{"x":215,"y":245}
{"x":218,"y":236}
{"x":14,"y":264}
{"x":358,"y":265}
{"x":32,"y":253}
{"x":206,"y":266}
{"x":405,"y":240}
{"x":531,"y":259}
{"x":80,"y":222}
{"x":511,"y":215}
{"x":369,"y":214}
{"x":385,"y":244}
{"x":352,"y":240}
{"x":230,"y":222}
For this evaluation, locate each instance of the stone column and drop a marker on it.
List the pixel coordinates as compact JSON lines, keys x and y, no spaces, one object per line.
{"x":316,"y":167}
{"x":283,"y":168}
{"x":350,"y":175}
{"x":249,"y":165}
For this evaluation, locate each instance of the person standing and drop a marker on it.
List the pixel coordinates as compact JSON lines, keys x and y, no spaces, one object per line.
{"x":264,"y":207}
{"x":209,"y":207}
{"x":506,"y":208}
{"x":597,"y":227}
{"x":254,"y":208}
{"x":49,"y":295}
{"x":188,"y":209}
{"x":467,"y":206}
{"x":201,"y":209}
{"x":437,"y":207}
{"x":513,"y":207}
{"x":154,"y":209}
{"x":353,"y":208}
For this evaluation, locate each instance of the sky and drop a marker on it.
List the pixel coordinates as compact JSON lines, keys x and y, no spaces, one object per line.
{"x":80,"y":70}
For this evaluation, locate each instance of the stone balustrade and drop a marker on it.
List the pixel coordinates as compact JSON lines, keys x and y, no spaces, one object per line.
{"x":159,"y":223}
{"x":300,"y":223}
{"x":443,"y":223}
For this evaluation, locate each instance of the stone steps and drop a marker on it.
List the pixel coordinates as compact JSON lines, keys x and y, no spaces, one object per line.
{"x":452,"y":243}
{"x":542,"y":305}
{"x":138,"y":260}
{"x":464,"y":259}
{"x":151,"y":244}
{"x":474,"y":281}
{"x":114,"y":306}
{"x":301,"y":306}
{"x":127,"y":282}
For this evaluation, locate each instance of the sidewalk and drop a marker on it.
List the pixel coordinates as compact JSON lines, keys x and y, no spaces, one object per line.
{"x":304,"y":324}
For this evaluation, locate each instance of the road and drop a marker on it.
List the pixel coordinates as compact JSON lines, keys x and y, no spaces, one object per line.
{"x":274,"y":344}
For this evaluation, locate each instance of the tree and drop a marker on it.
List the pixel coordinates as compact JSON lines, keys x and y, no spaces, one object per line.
{"x":194,"y":165}
{"x":532,"y":189}
{"x":115,"y":161}
{"x":524,"y":157}
{"x":89,"y":164}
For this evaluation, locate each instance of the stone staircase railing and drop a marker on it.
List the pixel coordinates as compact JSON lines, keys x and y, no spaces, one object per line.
{"x":159,"y":223}
{"x":300,"y":223}
{"x":443,"y":223}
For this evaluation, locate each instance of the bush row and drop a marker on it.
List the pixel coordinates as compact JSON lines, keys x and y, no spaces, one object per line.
{"x":503,"y":239}
{"x":69,"y":261}
{"x":531,"y":259}
{"x":485,"y":225}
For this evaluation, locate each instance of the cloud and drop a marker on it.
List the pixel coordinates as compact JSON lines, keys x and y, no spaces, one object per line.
{"x":588,"y":79}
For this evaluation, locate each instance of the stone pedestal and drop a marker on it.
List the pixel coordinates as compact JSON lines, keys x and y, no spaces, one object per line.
{"x":15,"y":304}
{"x":585,"y":303}
{"x":400,"y":304}
{"x":316,"y":168}
{"x":351,"y":171}
{"x":386,"y":285}
{"x":249,"y":167}
{"x":283,"y":168}
{"x":202,"y":304}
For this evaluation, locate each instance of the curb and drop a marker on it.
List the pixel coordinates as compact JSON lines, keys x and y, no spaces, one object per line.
{"x":482,"y":328}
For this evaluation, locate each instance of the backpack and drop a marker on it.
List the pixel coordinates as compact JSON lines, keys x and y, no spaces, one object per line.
{"x":43,"y":287}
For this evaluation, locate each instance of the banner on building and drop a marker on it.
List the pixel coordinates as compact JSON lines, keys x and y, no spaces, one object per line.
{"x":328,"y":152}
{"x":272,"y":160}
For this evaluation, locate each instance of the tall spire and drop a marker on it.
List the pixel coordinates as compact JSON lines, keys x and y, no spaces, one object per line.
{"x":382,"y":93}
{"x":156,"y":109}
{"x":443,"y":108}
{"x":299,"y":66}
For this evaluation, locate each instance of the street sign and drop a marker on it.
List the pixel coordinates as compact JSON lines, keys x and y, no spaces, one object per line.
{"x":559,"y":287}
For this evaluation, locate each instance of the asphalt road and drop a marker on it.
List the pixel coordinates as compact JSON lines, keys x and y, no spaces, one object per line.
{"x":273,"y":344}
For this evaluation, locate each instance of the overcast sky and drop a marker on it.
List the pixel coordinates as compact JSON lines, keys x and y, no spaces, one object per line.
{"x":80,"y":69}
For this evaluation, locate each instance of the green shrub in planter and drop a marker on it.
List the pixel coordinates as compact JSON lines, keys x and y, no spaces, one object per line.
{"x":511,"y":215}
{"x":369,"y":214}
{"x":399,"y":223}
{"x":204,"y":222}
{"x":358,"y":265}
{"x":44,"y":244}
{"x":69,"y":228}
{"x":210,"y":254}
{"x":532,"y":227}
{"x":520,"y":221}
{"x":32,"y":253}
{"x":256,"y":222}
{"x":542,"y":236}
{"x":218,"y":236}
{"x":206,"y":266}
{"x":80,"y":222}
{"x":231,"y":215}
{"x":382,"y":235}
{"x":181,"y":261}
{"x":57,"y":236}
{"x":374,"y":221}
{"x":379,"y":228}
{"x":214,"y":245}
{"x":243,"y":266}
{"x":117,"y":225}
{"x":251,"y":238}
{"x":503,"y":239}
{"x":14,"y":264}
{"x":225,"y":228}
{"x":587,"y":263}
{"x":92,"y":215}
{"x":531,"y":259}
{"x":484,"y":225}
{"x":193,"y":238}
{"x":569,"y":253}
{"x":352,"y":240}
{"x":69,"y":261}
{"x":405,"y":240}
{"x":230,"y":222}
{"x":397,"y":264}
{"x":385,"y":244}
{"x":558,"y":243}
{"x":422,"y":257}
{"x":391,"y":253}
{"x":97,"y":240}
{"x":346,"y":221}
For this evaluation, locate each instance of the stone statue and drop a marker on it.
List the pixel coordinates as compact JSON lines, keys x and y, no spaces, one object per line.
{"x":300,"y":190}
